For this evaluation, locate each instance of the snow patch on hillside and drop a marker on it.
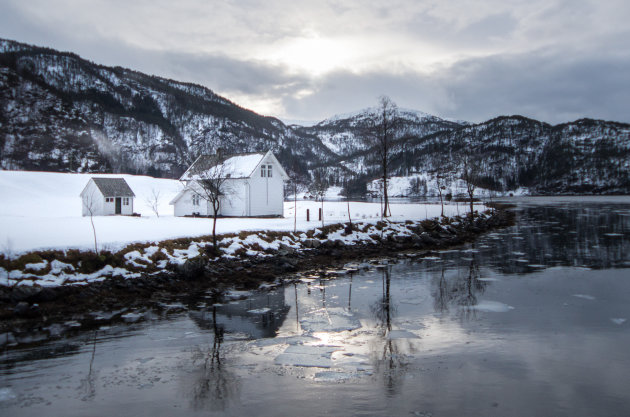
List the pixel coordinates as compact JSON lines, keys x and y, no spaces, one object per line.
{"x":425,"y":185}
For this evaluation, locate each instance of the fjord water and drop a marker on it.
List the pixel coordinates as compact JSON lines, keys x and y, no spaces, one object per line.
{"x":528,"y":320}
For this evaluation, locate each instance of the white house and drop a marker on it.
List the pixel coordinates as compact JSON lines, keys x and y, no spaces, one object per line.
{"x":253,"y":186}
{"x":107,"y":196}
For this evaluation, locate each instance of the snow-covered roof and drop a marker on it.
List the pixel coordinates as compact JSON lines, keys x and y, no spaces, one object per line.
{"x":233,"y":166}
{"x":113,"y":187}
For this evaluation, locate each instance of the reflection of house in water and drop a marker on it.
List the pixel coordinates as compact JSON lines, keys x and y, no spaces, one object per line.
{"x":259,"y":316}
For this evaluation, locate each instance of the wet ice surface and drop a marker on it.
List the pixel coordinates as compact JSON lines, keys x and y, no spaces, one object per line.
{"x":530,"y":320}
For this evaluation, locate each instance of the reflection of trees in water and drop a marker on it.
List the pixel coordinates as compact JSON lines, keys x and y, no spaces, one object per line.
{"x":88,"y":384}
{"x":441,"y":295}
{"x":389,"y":361}
{"x":461,"y":290}
{"x":468,"y":286}
{"x":214,"y":386}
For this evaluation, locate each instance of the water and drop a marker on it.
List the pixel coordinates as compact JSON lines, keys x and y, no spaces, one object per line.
{"x":530,"y":320}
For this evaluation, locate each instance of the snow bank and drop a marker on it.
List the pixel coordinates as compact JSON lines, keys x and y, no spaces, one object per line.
{"x":42,"y":210}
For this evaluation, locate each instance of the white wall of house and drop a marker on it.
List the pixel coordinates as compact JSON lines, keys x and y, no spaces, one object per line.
{"x":235,"y":201}
{"x":266,"y":193}
{"x":92,"y":198}
{"x":185,"y":205}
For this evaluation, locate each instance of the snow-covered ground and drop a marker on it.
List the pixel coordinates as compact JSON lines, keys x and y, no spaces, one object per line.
{"x":426,"y":185}
{"x":42,"y":210}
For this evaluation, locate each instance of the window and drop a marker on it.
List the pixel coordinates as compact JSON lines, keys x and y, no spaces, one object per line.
{"x":265,"y":171}
{"x":195,"y":200}
{"x":109,"y":199}
{"x":126,"y":201}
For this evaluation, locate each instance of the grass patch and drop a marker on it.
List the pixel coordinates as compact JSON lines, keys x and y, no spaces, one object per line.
{"x":29,"y":258}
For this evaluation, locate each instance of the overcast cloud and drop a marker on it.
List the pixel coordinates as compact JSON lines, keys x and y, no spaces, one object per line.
{"x":552,"y":60}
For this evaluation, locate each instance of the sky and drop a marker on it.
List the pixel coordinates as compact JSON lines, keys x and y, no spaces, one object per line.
{"x":552,"y":60}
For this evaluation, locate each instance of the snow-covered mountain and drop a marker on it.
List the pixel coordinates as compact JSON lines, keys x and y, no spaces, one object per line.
{"x":342,"y":134}
{"x":585,"y":156}
{"x":63,"y":113}
{"x":59,"y":112}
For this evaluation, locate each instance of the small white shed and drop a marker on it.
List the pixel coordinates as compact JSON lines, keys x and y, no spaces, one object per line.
{"x":107,"y":196}
{"x":254,"y":186}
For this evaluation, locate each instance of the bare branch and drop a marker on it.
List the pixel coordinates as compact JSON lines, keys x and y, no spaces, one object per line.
{"x":153,"y":201}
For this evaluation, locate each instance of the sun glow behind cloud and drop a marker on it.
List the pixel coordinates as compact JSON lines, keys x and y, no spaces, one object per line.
{"x":314,"y":54}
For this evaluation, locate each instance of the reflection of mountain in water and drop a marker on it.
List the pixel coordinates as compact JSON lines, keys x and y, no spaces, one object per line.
{"x":259,"y":316}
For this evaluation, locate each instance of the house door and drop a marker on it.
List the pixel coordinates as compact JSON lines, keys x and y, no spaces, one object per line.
{"x":118,"y":205}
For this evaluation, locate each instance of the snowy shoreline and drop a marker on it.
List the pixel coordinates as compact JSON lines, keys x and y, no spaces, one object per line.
{"x":54,"y":290}
{"x":54,"y":268}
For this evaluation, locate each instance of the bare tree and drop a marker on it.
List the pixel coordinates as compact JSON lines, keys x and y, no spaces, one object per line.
{"x":380,"y":136}
{"x":153,"y":200}
{"x":442,"y":180}
{"x":211,"y":185}
{"x":296,"y":186}
{"x":89,"y":202}
{"x":470,"y":173}
{"x":346,"y":193}
{"x":319,"y":186}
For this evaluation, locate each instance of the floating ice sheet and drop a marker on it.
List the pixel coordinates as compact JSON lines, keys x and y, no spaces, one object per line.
{"x":307,"y":356}
{"x":291,"y":340}
{"x":492,"y":307}
{"x":331,"y":376}
{"x":333,"y":320}
{"x":618,"y":321}
{"x":259,"y":310}
{"x":584,"y":296}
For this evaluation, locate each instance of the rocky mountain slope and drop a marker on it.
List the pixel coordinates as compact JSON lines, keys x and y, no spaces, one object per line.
{"x":585,"y":156}
{"x":59,"y":112}
{"x":62,"y":113}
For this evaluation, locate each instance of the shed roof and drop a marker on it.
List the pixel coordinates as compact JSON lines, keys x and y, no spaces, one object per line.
{"x":113,"y":187}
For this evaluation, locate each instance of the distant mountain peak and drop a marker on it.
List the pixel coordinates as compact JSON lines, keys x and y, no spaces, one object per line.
{"x":367,"y":112}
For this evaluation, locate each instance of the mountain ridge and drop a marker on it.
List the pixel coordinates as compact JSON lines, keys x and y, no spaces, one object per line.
{"x":60,"y":112}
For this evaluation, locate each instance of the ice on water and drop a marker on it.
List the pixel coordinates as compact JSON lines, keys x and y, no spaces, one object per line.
{"x":332,"y":320}
{"x":492,"y":307}
{"x":307,"y":356}
{"x":584,"y":296}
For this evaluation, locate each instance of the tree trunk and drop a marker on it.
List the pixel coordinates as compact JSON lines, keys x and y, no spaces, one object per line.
{"x":322,"y":211}
{"x":214,"y":230}
{"x":349,"y":218}
{"x":385,"y":196}
{"x":94,"y":230}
